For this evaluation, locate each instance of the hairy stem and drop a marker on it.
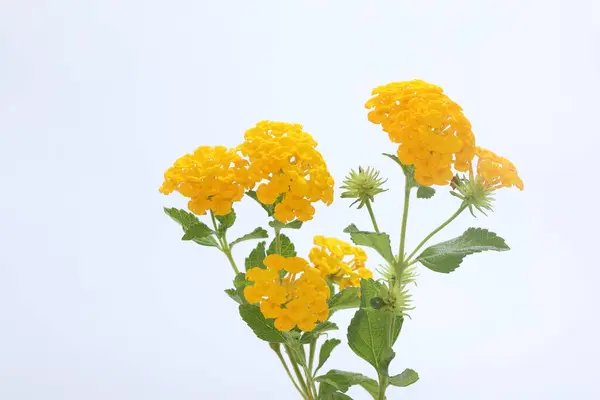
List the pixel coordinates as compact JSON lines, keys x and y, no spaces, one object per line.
{"x":372,"y":215}
{"x":407,"y":188}
{"x":436,"y":230}
{"x":275,"y":347}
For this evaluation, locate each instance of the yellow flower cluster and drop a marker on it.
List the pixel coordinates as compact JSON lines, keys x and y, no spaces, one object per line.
{"x":297,"y":299}
{"x":285,"y":157}
{"x":431,"y":129}
{"x":496,"y":171}
{"x":328,"y":257}
{"x":212,"y":177}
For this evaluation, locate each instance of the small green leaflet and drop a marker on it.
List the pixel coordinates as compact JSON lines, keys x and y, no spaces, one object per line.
{"x":256,"y":257}
{"x":240,"y":283}
{"x":187,"y":220}
{"x":269,"y":208}
{"x":377,"y":241}
{"x":182,"y":217}
{"x":409,"y":170}
{"x":258,"y":233}
{"x":290,"y":225}
{"x":445,"y":257}
{"x":287,"y":247}
{"x":319,"y":329}
{"x":326,"y":349}
{"x":226,"y":221}
{"x":262,"y":328}
{"x":328,"y":392}
{"x":425,"y":192}
{"x":369,"y":337}
{"x":406,"y":378}
{"x":342,"y":380}
{"x":372,"y":387}
{"x":346,"y":298}
{"x":234,"y":295}
{"x":197,"y":231}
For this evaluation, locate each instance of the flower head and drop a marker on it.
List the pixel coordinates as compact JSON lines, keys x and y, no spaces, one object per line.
{"x":285,"y":163}
{"x":431,"y":129}
{"x":363,"y":186}
{"x":493,"y":172}
{"x":298,"y":299}
{"x":212,"y":177}
{"x":339,"y":261}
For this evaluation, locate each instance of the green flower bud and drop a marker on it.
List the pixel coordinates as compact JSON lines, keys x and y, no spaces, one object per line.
{"x":363,"y":186}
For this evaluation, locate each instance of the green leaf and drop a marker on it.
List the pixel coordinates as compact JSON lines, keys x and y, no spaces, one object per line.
{"x":406,"y":378}
{"x":287,"y":247}
{"x":342,"y":380}
{"x":425,"y":192}
{"x":197,"y":231}
{"x":187,"y":220}
{"x":370,"y":289}
{"x":226,"y":221}
{"x":290,"y":225}
{"x":328,"y":392}
{"x":240,"y":283}
{"x":258,"y":233}
{"x":234,"y":295}
{"x":369,"y":337}
{"x":377,"y":241}
{"x":182,"y":217}
{"x":263,"y":328}
{"x":326,"y":350}
{"x":345,"y":298}
{"x":319,"y":329}
{"x":445,"y":257}
{"x":371,"y":386}
{"x":256,"y":257}
{"x":409,"y":170}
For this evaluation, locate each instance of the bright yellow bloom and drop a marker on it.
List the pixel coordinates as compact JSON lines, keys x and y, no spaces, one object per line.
{"x":213,"y":178}
{"x":339,"y":261}
{"x":284,"y":161}
{"x":495,"y":171}
{"x":297,"y":299}
{"x":431,"y":129}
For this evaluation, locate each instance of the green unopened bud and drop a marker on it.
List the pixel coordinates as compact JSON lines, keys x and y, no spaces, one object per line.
{"x":363,"y":186}
{"x":474,"y":193}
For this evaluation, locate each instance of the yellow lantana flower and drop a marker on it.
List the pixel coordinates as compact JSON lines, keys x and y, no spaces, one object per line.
{"x":284,"y":162}
{"x":298,"y":299}
{"x":495,"y":171}
{"x":339,"y":261}
{"x":212,"y":177}
{"x":431,"y":129}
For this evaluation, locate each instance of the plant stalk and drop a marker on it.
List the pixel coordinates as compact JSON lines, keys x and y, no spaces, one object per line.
{"x":436,"y":230}
{"x":372,"y":215}
{"x":407,"y":189}
{"x":275,"y":347}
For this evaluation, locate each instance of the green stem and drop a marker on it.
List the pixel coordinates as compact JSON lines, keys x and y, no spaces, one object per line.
{"x":383,"y":384}
{"x":275,"y":347}
{"x":407,"y":188}
{"x":372,"y":215}
{"x":303,"y":385}
{"x":311,"y":357}
{"x":277,"y":240}
{"x":224,"y":245}
{"x":227,"y":252}
{"x":436,"y":230}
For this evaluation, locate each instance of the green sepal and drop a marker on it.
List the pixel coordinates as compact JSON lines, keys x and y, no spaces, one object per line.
{"x":406,"y":378}
{"x":258,"y":233}
{"x":263,"y":328}
{"x":378,"y":241}
{"x":319,"y":329}
{"x":445,"y":257}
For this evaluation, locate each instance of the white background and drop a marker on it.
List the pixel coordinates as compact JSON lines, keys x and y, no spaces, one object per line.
{"x":99,"y":299}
